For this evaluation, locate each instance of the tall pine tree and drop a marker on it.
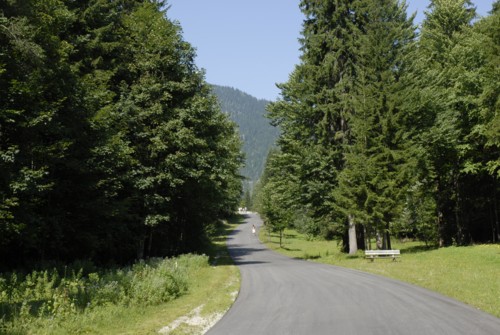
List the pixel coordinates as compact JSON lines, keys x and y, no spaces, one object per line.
{"x":339,"y":114}
{"x":371,"y":185}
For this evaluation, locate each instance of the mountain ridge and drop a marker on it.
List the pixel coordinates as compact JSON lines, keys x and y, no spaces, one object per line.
{"x":256,"y":132}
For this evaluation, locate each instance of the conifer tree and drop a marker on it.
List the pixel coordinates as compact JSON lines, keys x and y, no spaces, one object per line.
{"x":371,"y":187}
{"x":339,"y":115}
{"x":316,"y":105}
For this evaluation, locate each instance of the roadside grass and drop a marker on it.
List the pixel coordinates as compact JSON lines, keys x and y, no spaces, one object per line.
{"x":469,"y":274}
{"x":212,"y":286}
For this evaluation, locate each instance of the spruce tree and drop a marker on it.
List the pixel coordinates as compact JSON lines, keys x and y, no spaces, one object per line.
{"x":316,"y":105}
{"x":339,"y":113}
{"x":371,"y":187}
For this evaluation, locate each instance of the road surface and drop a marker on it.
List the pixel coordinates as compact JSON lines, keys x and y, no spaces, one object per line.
{"x":280,"y":295}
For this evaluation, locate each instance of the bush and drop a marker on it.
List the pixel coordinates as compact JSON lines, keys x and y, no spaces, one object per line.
{"x":48,"y":294}
{"x":156,"y":282}
{"x":305,"y":224}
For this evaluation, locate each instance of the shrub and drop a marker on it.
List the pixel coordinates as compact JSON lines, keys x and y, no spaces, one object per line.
{"x":48,"y":294}
{"x":155,"y":282}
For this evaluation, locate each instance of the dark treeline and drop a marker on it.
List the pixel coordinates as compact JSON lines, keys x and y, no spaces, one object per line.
{"x":112,"y":146}
{"x":389,"y":131}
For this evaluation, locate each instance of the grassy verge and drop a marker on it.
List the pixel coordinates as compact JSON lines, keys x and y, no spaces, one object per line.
{"x":205,"y":287}
{"x":469,"y":274}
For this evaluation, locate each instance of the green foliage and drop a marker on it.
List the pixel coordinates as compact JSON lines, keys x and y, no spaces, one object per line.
{"x":272,"y":197}
{"x":340,"y":115}
{"x":59,"y":295}
{"x":447,"y":117}
{"x":112,"y":146}
{"x":370,"y":188}
{"x":384,"y":133}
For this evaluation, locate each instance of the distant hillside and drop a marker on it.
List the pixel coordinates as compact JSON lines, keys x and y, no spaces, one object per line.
{"x":257,"y":134}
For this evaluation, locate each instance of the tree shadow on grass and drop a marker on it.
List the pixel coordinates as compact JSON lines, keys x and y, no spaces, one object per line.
{"x":290,"y":249}
{"x":355,"y":256}
{"x":307,"y":256}
{"x":415,"y":249}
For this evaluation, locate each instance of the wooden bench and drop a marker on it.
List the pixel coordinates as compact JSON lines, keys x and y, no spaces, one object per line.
{"x":372,"y":254}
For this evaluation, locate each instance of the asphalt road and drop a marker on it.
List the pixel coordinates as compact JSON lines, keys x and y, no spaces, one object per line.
{"x":280,"y":295}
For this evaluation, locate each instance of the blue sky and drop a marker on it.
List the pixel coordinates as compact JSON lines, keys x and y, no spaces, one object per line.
{"x":252,"y":44}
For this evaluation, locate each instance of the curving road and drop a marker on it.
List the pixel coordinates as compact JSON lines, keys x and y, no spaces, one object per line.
{"x":280,"y":295}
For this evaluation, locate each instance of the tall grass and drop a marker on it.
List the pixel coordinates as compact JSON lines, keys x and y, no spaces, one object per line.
{"x":57,"y":295}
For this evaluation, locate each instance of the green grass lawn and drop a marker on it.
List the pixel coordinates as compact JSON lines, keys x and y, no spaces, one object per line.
{"x":469,"y":274}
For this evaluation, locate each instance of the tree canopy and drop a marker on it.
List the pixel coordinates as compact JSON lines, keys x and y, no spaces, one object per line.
{"x":112,"y":146}
{"x":389,"y":131}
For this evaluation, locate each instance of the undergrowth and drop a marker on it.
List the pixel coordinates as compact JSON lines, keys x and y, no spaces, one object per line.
{"x":55,"y":295}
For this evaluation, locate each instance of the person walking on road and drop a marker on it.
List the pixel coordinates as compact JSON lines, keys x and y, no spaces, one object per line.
{"x":253,"y":229}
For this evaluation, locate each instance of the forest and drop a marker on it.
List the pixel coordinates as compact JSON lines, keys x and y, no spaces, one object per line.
{"x":257,"y":134}
{"x":112,"y":145}
{"x":389,"y":129}
{"x":114,"y":148}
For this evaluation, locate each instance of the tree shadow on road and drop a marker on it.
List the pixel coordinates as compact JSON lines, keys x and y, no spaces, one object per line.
{"x":216,"y":247}
{"x":240,"y":253}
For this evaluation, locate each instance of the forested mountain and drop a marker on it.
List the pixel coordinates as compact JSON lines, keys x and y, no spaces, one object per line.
{"x":388,"y":133}
{"x":256,"y":132}
{"x":112,"y":146}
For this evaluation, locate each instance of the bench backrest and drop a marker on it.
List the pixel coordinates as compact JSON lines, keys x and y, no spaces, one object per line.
{"x":381,"y":252}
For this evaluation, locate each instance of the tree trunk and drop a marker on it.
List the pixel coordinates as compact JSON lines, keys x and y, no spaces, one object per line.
{"x":150,"y":242}
{"x":360,"y":234}
{"x":368,"y":242}
{"x":496,"y":234}
{"x":460,"y":236}
{"x":379,"y":241}
{"x":440,"y":229}
{"x":353,"y":243}
{"x":140,"y":249}
{"x":387,"y":241}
